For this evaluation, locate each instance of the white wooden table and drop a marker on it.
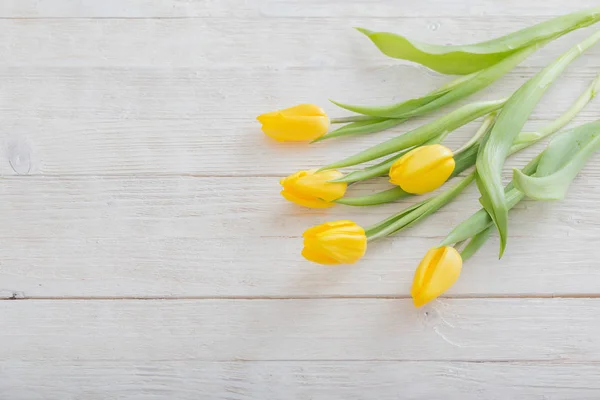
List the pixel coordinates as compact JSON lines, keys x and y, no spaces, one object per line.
{"x":145,"y":252}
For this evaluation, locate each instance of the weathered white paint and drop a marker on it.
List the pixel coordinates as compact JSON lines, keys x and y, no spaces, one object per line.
{"x":138,"y":132}
{"x":133,"y":170}
{"x":318,"y":380}
{"x":188,"y":236}
{"x":301,"y":329}
{"x":281,"y":8}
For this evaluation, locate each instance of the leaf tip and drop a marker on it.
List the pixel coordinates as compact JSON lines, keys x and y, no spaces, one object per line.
{"x":364,"y":31}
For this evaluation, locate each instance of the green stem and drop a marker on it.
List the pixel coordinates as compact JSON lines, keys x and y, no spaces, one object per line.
{"x":466,"y":158}
{"x":424,"y":209}
{"x":487,"y":124}
{"x":383,"y":167}
{"x":356,"y":118}
{"x":447,"y":123}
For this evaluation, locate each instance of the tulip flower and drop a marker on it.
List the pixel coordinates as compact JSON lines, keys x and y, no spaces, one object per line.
{"x":295,"y":124}
{"x":339,"y":242}
{"x":312,"y":189}
{"x":436,"y":273}
{"x":423,"y":169}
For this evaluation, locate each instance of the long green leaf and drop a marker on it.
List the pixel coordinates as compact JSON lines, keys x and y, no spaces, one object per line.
{"x":511,"y":119}
{"x":466,"y":158}
{"x":460,"y":89}
{"x":418,"y":136}
{"x":568,"y":154}
{"x":555,"y":157}
{"x":466,"y":59}
{"x":407,"y":106}
{"x":362,"y":128}
{"x":481,"y":220}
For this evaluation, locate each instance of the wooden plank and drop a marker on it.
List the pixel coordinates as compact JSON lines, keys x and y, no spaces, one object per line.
{"x":281,"y":8}
{"x":317,"y":380}
{"x":276,"y":44}
{"x":186,"y":236}
{"x":278,"y":330}
{"x":425,"y":9}
{"x":217,"y":97}
{"x":123,"y":121}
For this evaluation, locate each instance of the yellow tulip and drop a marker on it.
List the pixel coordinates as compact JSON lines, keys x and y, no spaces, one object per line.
{"x":423,"y":169}
{"x":295,"y":124}
{"x":339,"y":242}
{"x":435,"y":274}
{"x":312,"y":189}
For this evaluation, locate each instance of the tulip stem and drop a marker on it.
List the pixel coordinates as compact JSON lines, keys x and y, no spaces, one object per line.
{"x":466,"y":158}
{"x":356,"y":118}
{"x":413,"y":215}
{"x":485,"y":127}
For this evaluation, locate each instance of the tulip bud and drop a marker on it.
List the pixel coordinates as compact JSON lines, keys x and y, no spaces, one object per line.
{"x":436,"y":273}
{"x":300,"y":123}
{"x":423,"y":169}
{"x":312,"y":189}
{"x":339,"y":242}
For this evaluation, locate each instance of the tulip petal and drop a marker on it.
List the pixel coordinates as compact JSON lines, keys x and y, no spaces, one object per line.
{"x":437,"y":272}
{"x":338,"y":242}
{"x":303,"y":122}
{"x":309,"y":202}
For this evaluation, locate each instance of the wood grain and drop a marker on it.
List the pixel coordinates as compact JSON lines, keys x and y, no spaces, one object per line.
{"x":187,"y":236}
{"x":98,"y":122}
{"x":148,"y":255}
{"x":281,"y":8}
{"x":317,"y":380}
{"x":244,"y":44}
{"x":281,"y":330}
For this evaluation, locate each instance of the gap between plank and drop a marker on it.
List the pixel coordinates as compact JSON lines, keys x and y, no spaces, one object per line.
{"x":21,"y":297}
{"x":269,"y":17}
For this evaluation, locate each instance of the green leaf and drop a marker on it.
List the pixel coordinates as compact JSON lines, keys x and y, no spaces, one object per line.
{"x":406,"y":106}
{"x":361,"y":128}
{"x":561,"y":162}
{"x":481,"y":220}
{"x":466,"y":59}
{"x":422,"y":134}
{"x":466,"y":158}
{"x":511,"y":119}
{"x":555,"y":158}
{"x":454,"y":91}
{"x":476,"y":242}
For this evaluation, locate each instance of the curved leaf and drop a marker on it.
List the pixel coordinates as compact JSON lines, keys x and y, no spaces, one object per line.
{"x":481,"y":220}
{"x":466,"y":59}
{"x":560,"y":164}
{"x":511,"y":119}
{"x":459,"y":89}
{"x":406,"y":106}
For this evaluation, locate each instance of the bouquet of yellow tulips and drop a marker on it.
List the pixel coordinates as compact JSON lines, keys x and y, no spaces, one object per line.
{"x":417,"y":162}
